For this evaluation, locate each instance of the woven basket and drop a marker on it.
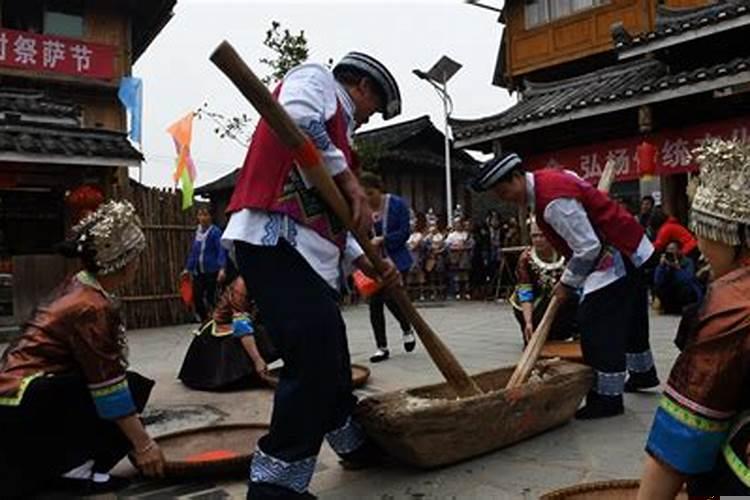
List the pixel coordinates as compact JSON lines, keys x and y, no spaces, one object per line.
{"x":239,"y":439}
{"x":621,"y":489}
{"x":360,"y":375}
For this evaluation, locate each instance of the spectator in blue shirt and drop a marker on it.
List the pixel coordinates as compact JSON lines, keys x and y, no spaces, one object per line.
{"x":675,"y":283}
{"x":206,"y":263}
{"x":392,"y":230}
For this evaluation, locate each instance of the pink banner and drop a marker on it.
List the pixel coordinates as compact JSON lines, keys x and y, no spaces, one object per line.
{"x":21,"y":50}
{"x":673,"y":151}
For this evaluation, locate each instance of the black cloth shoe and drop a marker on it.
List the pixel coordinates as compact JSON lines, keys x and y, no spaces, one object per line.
{"x":409,"y":341}
{"x":598,"y":406}
{"x":642,"y":381}
{"x":366,"y":456}
{"x":380,"y":355}
{"x":267,"y":491}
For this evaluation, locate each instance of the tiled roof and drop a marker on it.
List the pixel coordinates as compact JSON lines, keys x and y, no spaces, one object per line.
{"x":224,"y":183}
{"x":674,"y":22}
{"x":391,"y":141}
{"x":548,"y":103}
{"x":69,"y":142}
{"x":393,"y":135}
{"x":34,"y":125}
{"x":148,"y":19}
{"x":36,"y":103}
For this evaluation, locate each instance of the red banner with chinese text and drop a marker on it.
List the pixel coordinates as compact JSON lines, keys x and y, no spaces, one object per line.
{"x":34,"y":52}
{"x":673,"y":151}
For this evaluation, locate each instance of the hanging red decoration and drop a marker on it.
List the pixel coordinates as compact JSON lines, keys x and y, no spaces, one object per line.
{"x":83,"y":200}
{"x":646,"y":159}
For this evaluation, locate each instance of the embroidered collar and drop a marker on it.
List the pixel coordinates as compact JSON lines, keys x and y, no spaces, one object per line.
{"x":544,"y":265}
{"x":89,"y":280}
{"x":348,"y":105}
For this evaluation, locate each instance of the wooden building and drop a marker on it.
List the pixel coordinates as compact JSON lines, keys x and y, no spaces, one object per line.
{"x":408,"y":155}
{"x":61,"y":125}
{"x":601,"y":79}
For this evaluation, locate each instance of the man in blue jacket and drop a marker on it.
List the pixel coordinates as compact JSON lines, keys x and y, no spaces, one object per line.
{"x":675,"y":283}
{"x":206,"y":263}
{"x":392,"y":229}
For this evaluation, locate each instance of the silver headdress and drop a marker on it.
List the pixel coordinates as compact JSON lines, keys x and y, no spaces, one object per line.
{"x":114,"y":232}
{"x":722,"y":196}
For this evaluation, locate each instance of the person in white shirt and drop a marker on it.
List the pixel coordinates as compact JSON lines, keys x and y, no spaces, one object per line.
{"x":291,"y":249}
{"x":605,"y":247}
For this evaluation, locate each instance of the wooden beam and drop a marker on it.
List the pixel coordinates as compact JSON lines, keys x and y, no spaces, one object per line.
{"x":86,"y":161}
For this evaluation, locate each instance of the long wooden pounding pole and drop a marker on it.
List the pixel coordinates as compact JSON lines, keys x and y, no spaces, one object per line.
{"x":535,"y":345}
{"x":232,"y":65}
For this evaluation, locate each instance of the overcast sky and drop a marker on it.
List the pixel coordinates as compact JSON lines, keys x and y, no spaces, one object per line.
{"x":178,"y":77}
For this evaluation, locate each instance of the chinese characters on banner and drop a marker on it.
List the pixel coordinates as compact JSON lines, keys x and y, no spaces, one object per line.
{"x":673,"y":151}
{"x":31,"y":51}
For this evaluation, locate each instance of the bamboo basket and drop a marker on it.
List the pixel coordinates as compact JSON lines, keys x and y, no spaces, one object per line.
{"x":360,"y":375}
{"x":430,"y":427}
{"x":622,"y":489}
{"x":187,"y":452}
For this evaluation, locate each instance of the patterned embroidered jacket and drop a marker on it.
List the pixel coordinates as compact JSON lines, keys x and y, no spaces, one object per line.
{"x":535,"y":281}
{"x":614,"y":225}
{"x":79,"y":330}
{"x":269,"y":179}
{"x":237,"y":315}
{"x":703,"y":412}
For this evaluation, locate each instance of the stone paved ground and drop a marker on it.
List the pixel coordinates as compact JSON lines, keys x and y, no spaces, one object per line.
{"x":482,"y":336}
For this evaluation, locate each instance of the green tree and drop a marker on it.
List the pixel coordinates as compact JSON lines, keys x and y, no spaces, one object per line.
{"x":289,"y":51}
{"x":235,"y":128}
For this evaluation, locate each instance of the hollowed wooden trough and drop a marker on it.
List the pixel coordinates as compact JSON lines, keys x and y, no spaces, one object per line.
{"x":429,"y":426}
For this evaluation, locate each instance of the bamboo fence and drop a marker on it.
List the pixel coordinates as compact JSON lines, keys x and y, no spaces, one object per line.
{"x":153,"y":299}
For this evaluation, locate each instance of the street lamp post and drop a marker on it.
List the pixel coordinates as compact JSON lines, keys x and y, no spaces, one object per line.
{"x":438,"y":77}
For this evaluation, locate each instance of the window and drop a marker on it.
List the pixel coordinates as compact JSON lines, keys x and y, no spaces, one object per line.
{"x":52,"y":17}
{"x":538,"y":12}
{"x":64,"y":18}
{"x":23,"y":16}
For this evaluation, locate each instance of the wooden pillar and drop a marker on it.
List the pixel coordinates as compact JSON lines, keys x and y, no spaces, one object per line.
{"x":647,"y":186}
{"x":674,"y":194}
{"x":123,"y":182}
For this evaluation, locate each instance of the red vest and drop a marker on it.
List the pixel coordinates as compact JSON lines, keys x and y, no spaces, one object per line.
{"x":269,"y":180}
{"x":613,"y":224}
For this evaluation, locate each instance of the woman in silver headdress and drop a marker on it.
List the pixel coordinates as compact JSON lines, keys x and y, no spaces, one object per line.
{"x":539,"y":269}
{"x":701,"y":430}
{"x":69,"y":409}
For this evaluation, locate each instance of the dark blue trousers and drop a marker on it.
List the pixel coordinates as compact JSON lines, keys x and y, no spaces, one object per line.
{"x":314,"y":397}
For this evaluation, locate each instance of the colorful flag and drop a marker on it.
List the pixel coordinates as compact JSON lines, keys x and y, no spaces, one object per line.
{"x":131,"y":96}
{"x":184,"y":173}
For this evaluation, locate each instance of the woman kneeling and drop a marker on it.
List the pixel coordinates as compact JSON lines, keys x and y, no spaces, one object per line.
{"x":69,"y":410}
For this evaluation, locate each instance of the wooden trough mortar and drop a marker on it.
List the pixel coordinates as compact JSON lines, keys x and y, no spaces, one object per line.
{"x":430,"y":427}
